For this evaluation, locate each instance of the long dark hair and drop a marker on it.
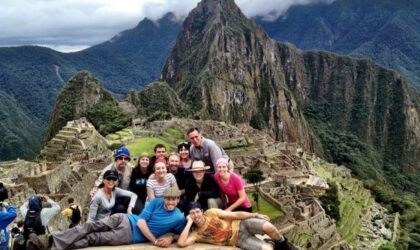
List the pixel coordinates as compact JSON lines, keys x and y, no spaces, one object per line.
{"x":4,"y":195}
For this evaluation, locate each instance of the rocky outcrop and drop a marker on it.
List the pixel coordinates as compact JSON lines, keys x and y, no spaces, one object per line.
{"x":80,"y":94}
{"x":226,"y":68}
{"x":157,"y":97}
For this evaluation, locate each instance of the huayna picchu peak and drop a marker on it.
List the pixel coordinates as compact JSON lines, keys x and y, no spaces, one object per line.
{"x":226,"y":68}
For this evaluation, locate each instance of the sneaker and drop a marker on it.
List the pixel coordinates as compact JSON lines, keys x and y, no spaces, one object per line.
{"x":37,"y":242}
{"x":283,"y":245}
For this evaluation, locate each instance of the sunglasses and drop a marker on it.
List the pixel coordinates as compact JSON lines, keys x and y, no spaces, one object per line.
{"x":111,"y":179}
{"x":122,"y":158}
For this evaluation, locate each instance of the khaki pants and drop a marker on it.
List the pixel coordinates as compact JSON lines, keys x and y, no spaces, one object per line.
{"x":111,"y":231}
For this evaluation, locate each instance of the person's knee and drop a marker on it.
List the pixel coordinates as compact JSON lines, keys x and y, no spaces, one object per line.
{"x":267,"y":246}
{"x":271,"y":230}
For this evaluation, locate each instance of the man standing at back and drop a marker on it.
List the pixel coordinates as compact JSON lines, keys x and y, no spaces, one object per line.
{"x":203,"y":149}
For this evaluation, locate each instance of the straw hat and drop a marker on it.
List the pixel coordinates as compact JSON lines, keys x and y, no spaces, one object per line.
{"x":198,"y":166}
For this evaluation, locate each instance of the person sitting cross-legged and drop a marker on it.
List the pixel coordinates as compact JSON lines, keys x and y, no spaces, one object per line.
{"x":219,"y":227}
{"x":156,"y":223}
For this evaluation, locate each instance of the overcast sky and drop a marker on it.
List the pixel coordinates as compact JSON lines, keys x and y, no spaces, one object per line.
{"x":71,"y":25}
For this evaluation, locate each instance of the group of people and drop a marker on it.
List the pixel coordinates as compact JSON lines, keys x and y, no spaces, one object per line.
{"x":190,"y":196}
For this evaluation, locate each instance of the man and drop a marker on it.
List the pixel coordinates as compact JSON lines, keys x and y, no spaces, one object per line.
{"x":38,"y":215}
{"x":73,"y":212}
{"x":160,"y":151}
{"x":219,"y":227}
{"x":205,"y":149}
{"x":122,"y":165}
{"x":180,"y":174}
{"x":159,"y":218}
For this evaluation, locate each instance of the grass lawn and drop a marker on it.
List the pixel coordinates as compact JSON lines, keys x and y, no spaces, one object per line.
{"x":146,"y":144}
{"x":265,"y":207}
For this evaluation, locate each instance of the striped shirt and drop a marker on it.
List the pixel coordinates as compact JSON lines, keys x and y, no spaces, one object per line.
{"x":159,"y":189}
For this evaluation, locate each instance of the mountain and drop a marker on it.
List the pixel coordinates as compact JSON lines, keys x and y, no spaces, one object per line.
{"x":226,"y":68}
{"x":385,"y":31}
{"x":20,"y":132}
{"x":84,"y":96}
{"x":33,"y":76}
{"x":349,"y":111}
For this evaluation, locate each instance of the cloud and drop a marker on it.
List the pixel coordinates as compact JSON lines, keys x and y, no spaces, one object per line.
{"x":81,"y":23}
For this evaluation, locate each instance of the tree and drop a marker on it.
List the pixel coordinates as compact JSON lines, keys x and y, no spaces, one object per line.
{"x":255,"y":177}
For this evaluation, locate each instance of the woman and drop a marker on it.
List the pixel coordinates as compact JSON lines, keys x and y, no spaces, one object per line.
{"x":104,"y":200}
{"x":233,"y":186}
{"x":161,"y":180}
{"x":202,"y":188}
{"x":7,"y":215}
{"x":184,"y":153}
{"x":138,"y":181}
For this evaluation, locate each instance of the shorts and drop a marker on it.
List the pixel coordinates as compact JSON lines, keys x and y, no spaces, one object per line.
{"x":247,"y":231}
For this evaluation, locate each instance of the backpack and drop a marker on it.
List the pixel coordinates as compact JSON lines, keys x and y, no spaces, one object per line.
{"x":19,"y":243}
{"x":33,"y":224}
{"x":75,"y":216}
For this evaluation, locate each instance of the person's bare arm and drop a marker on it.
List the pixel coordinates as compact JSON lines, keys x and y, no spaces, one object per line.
{"x":238,"y":202}
{"x":240,"y":215}
{"x":184,"y":238}
{"x":144,"y":228}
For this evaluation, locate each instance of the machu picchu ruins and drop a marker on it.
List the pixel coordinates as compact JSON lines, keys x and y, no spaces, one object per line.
{"x":71,"y":161}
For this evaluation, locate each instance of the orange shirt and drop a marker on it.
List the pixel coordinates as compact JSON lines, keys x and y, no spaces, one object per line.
{"x":216,"y":230}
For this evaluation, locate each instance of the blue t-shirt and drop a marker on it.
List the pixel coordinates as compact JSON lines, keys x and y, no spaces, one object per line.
{"x":159,"y":220}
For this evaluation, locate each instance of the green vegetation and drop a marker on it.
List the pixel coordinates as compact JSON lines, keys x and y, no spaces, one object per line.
{"x":20,"y":133}
{"x":330,"y":201}
{"x":349,"y":206}
{"x":385,"y":31}
{"x":265,"y":207}
{"x":108,"y":117}
{"x":141,"y":145}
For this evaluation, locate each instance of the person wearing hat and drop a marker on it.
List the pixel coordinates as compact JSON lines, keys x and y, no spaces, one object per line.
{"x":226,"y":228}
{"x":160,"y":223}
{"x":122,"y":165}
{"x":107,"y":197}
{"x":202,"y":188}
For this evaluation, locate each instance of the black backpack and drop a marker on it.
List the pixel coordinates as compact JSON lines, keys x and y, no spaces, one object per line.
{"x":19,"y":242}
{"x":75,"y":216}
{"x":33,"y":224}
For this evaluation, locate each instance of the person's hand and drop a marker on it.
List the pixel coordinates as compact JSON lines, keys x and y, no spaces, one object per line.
{"x":262,"y":217}
{"x":189,"y":218}
{"x":164,"y":241}
{"x":44,"y":198}
{"x":152,"y":177}
{"x":129,"y":210}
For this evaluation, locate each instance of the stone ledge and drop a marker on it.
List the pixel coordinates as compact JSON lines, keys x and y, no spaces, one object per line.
{"x":148,"y":246}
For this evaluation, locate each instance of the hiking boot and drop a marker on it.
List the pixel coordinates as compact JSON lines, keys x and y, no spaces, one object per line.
{"x":38,"y":242}
{"x":283,"y":245}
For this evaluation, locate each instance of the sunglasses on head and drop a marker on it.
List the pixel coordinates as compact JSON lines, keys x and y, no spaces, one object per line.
{"x":111,"y":179}
{"x":123,"y":158}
